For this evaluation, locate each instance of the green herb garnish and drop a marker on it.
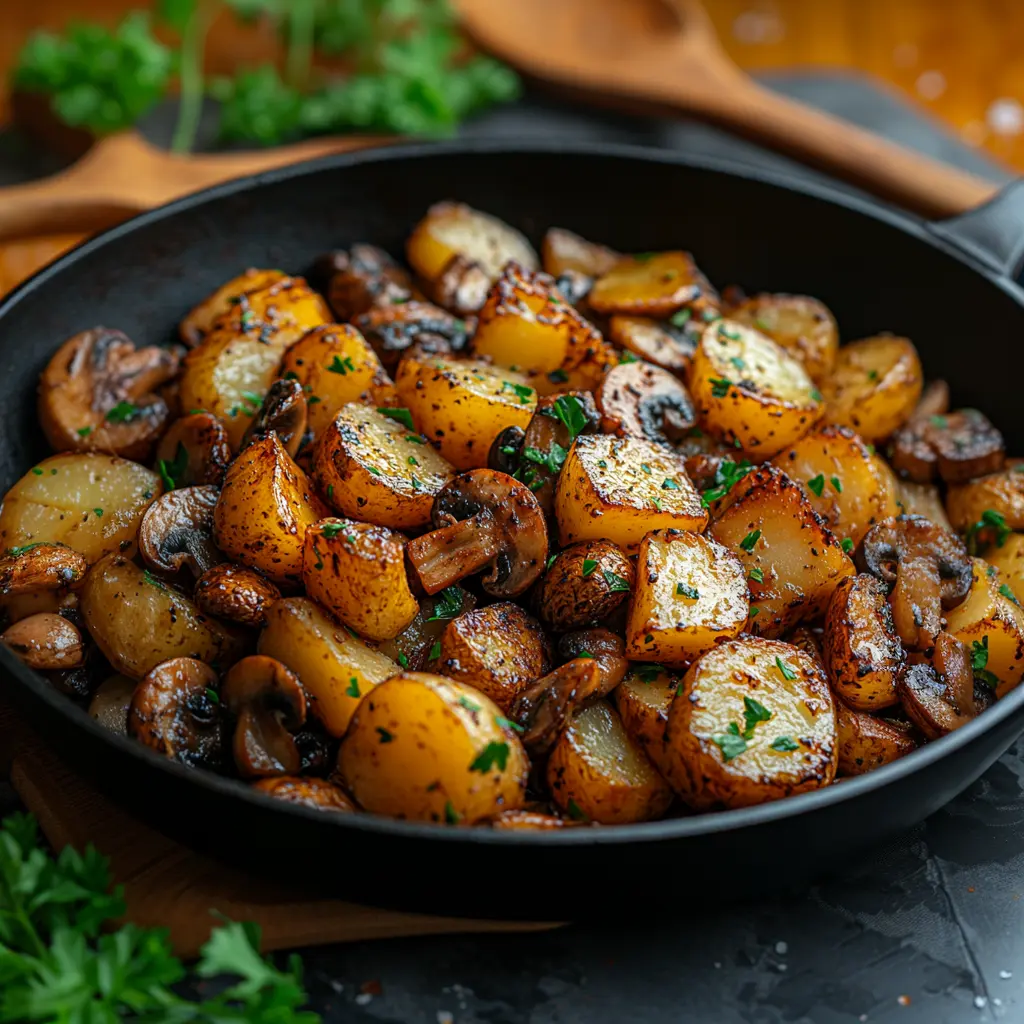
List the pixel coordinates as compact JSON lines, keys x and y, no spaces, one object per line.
{"x":495,"y":754}
{"x":817,"y":484}
{"x":569,"y":409}
{"x":719,"y":386}
{"x":447,"y":604}
{"x":403,"y":416}
{"x":521,"y":391}
{"x":123,"y":412}
{"x":787,"y":672}
{"x":615,"y":582}
{"x":784,"y":744}
{"x":589,"y":565}
{"x":684,"y":590}
{"x":750,"y":540}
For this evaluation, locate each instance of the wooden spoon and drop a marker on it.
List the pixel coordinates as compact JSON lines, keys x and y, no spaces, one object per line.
{"x":664,"y":54}
{"x":123,"y":175}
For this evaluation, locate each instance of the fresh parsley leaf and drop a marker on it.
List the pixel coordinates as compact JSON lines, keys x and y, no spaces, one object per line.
{"x":447,"y":604}
{"x":435,"y":650}
{"x":352,"y":690}
{"x":787,"y":672}
{"x":173,"y":473}
{"x":403,"y":416}
{"x":552,"y":460}
{"x":625,"y":356}
{"x":784,"y":744}
{"x":569,"y":409}
{"x":837,"y":484}
{"x":684,"y":590}
{"x":748,"y":543}
{"x":558,"y":376}
{"x":817,"y":484}
{"x":123,"y":412}
{"x":507,"y":723}
{"x":1005,"y":590}
{"x":495,"y":754}
{"x":521,"y":391}
{"x":680,"y":319}
{"x":990,"y":520}
{"x":465,"y":702}
{"x":726,"y":476}
{"x":669,"y":485}
{"x":616,"y":584}
{"x":344,"y":366}
{"x":589,"y":565}
{"x":385,"y":735}
{"x":847,"y":544}
{"x":650,"y":672}
{"x":756,"y":574}
{"x":719,"y":386}
{"x":732,"y":744}
{"x":451,"y":816}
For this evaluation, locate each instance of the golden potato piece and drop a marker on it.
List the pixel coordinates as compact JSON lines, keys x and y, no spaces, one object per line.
{"x":335,"y":366}
{"x":651,"y":284}
{"x":373,"y":467}
{"x":691,"y":592}
{"x":197,"y":322}
{"x":429,"y":749}
{"x":1008,"y":558}
{"x":461,"y":405}
{"x":749,"y":391}
{"x":793,"y":562}
{"x":1001,"y":493}
{"x":138,"y":621}
{"x":90,"y":502}
{"x":754,"y":721}
{"x":564,"y":250}
{"x":597,"y":773}
{"x":991,"y":623}
{"x":357,"y":572}
{"x":862,"y":651}
{"x":499,"y":650}
{"x":620,"y":488}
{"x":845,"y":482}
{"x":866,"y":742}
{"x":263,"y":511}
{"x":336,"y":668}
{"x":454,"y":229}
{"x":643,"y":700}
{"x":875,"y":385}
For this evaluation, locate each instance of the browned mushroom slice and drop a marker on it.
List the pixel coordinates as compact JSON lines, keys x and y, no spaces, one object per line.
{"x":608,"y":651}
{"x":318,"y":794}
{"x":484,"y":519}
{"x":659,"y":342}
{"x":175,"y":711}
{"x":462,"y":287}
{"x":564,"y":250}
{"x":41,"y":567}
{"x":362,"y":278}
{"x":236,"y":593}
{"x":926,"y":568}
{"x":506,"y":450}
{"x":284,"y":413}
{"x":268,"y":704}
{"x":929,"y":703}
{"x":111,"y":701}
{"x":584,"y":584}
{"x":393,"y":330}
{"x":639,"y":400}
{"x":194,"y":451}
{"x":574,"y":287}
{"x":98,"y":393}
{"x":45,"y":642}
{"x":959,"y":446}
{"x":177,"y":531}
{"x":545,"y":707}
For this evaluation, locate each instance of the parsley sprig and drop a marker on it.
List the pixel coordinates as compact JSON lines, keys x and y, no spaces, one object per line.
{"x":733,"y":741}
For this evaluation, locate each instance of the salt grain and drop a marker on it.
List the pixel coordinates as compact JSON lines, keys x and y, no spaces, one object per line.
{"x":980,"y":1002}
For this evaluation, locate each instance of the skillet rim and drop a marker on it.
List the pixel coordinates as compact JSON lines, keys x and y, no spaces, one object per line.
{"x":36,"y":688}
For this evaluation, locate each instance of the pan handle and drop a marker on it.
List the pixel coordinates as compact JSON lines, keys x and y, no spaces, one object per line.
{"x":992,"y":233}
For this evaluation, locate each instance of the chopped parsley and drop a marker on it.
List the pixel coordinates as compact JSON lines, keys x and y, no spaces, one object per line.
{"x":173,"y":473}
{"x":447,"y":604}
{"x":601,"y":464}
{"x":684,"y":590}
{"x":647,"y":469}
{"x":495,"y":754}
{"x":979,"y":663}
{"x":98,"y":511}
{"x":451,"y":816}
{"x":847,"y":544}
{"x":153,"y":581}
{"x":403,"y":660}
{"x":212,"y":695}
{"x":939,"y":421}
{"x":342,"y":366}
{"x":569,"y":409}
{"x":412,"y":460}
{"x":784,"y":744}
{"x":719,"y":386}
{"x":727,"y":474}
{"x":1008,"y":593}
{"x":649,"y":673}
{"x":465,"y":702}
{"x":83,"y":431}
{"x":669,"y":485}
{"x":521,"y":391}
{"x":552,"y":461}
{"x":625,"y":356}
{"x":331,"y":530}
{"x":24,"y":549}
{"x":817,"y":484}
{"x":757,"y":575}
{"x":837,"y":484}
{"x":415,"y":439}
{"x":558,"y":376}
{"x":575,"y":811}
{"x":506,"y":723}
{"x":990,"y":520}
{"x":352,"y":690}
{"x":872,"y":375}
{"x":815,"y":395}
{"x":731,"y":335}
{"x":680,"y":319}
{"x":122,"y":412}
{"x":750,"y":541}
{"x":435,"y":651}
{"x":787,"y":672}
{"x":615,"y":582}
{"x":589,"y":565}
{"x":737,"y":362}
{"x":733,"y":742}
{"x":551,"y":561}
{"x":403,"y":416}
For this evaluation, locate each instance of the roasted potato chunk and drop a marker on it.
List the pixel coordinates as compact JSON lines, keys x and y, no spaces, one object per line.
{"x":584,"y":584}
{"x":862,"y":652}
{"x":750,"y":392}
{"x":597,"y":773}
{"x":138,"y":621}
{"x":652,"y":284}
{"x":793,"y":562}
{"x":620,"y":488}
{"x":1001,"y":493}
{"x":499,"y":650}
{"x":753,"y":721}
{"x":1008,"y":558}
{"x":197,"y":322}
{"x":336,"y":668}
{"x":654,"y":342}
{"x":866,"y":742}
{"x":691,"y":593}
{"x":374,"y":468}
{"x":643,"y":700}
{"x":874,"y":386}
{"x":430,"y":749}
{"x":335,"y":366}
{"x":461,"y":405}
{"x":263,"y":511}
{"x":564,"y":250}
{"x":357,"y":572}
{"x":90,"y":502}
{"x":991,"y":623}
{"x":845,"y":482}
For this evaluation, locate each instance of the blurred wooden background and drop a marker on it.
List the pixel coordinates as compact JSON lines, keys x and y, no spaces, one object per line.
{"x":959,"y":59}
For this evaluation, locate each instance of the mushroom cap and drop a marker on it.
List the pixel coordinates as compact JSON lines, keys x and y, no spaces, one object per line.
{"x":283,"y":412}
{"x":958,"y":445}
{"x":608,"y":651}
{"x":41,"y":567}
{"x":45,"y":642}
{"x":640,"y":400}
{"x":319,"y":794}
{"x":236,"y":593}
{"x":195,"y":450}
{"x":567,"y":599}
{"x":505,"y":450}
{"x":177,"y":531}
{"x":545,"y":707}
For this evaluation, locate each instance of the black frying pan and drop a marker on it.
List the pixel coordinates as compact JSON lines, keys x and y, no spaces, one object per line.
{"x":948,"y":287}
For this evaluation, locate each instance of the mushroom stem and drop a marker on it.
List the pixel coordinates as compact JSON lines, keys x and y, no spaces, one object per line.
{"x":606,"y":649}
{"x":205,"y":554}
{"x":545,"y":708}
{"x":453,"y":552}
{"x":916,"y":603}
{"x":953,"y":663}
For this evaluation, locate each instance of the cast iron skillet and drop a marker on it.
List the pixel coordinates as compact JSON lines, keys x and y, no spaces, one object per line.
{"x":948,"y":287}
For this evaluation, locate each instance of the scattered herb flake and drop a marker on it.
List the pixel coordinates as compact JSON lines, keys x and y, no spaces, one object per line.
{"x":685,"y":590}
{"x":837,"y":484}
{"x":83,"y":431}
{"x":385,"y":736}
{"x":680,"y":319}
{"x":575,"y":812}
{"x":435,"y":651}
{"x":506,"y":723}
{"x":784,"y":744}
{"x":757,"y":575}
{"x":1005,"y":590}
{"x":748,"y":543}
{"x":787,"y":672}
{"x":569,"y":409}
{"x":342,"y":366}
{"x":719,"y":386}
{"x":494,"y":754}
{"x":122,"y":412}
{"x":558,"y":376}
{"x":402,"y":415}
{"x":616,"y":583}
{"x":589,"y":565}
{"x":817,"y":484}
{"x":465,"y":702}
{"x":451,"y":816}
{"x":847,"y":544}
{"x":353,"y":687}
{"x":448,"y":604}
{"x":521,"y":391}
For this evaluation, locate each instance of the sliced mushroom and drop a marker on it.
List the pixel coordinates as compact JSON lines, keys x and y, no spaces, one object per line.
{"x":41,"y":567}
{"x":640,"y":400}
{"x":111,"y":701}
{"x":506,"y":450}
{"x":177,"y":531}
{"x":175,"y":711}
{"x":194,"y":451}
{"x":462,"y":287}
{"x":584,"y":584}
{"x":361,"y":278}
{"x":659,"y":342}
{"x":284,"y":413}
{"x":929,"y":702}
{"x":958,"y":446}
{"x":545,"y":707}
{"x":484,"y":519}
{"x":573,"y":286}
{"x":268,"y":704}
{"x":608,"y":651}
{"x":98,"y":393}
{"x":319,"y":794}
{"x":236,"y":593}
{"x":317,"y":754}
{"x":45,"y":642}
{"x":393,"y":330}
{"x":926,"y":568}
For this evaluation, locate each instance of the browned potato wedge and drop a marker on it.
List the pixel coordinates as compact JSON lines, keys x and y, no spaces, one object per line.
{"x":867,"y":742}
{"x":499,"y":650}
{"x":336,"y":668}
{"x":1002,"y":493}
{"x":862,"y":651}
{"x":357,"y":572}
{"x":564,"y":250}
{"x":875,"y":385}
{"x":921,"y":500}
{"x":801,"y":325}
{"x":90,"y":502}
{"x":429,"y":749}
{"x":643,"y":700}
{"x":792,"y":560}
{"x":461,"y":405}
{"x":652,"y":284}
{"x":597,"y":773}
{"x":845,"y":482}
{"x":750,"y":392}
{"x":373,"y":467}
{"x":654,"y":341}
{"x":263,"y":511}
{"x":753,"y":721}
{"x":990,"y":622}
{"x":454,"y":229}
{"x":691,"y":593}
{"x":1008,"y":558}
{"x":619,"y":489}
{"x":584,"y":584}
{"x":138,"y":621}
{"x":197,"y":322}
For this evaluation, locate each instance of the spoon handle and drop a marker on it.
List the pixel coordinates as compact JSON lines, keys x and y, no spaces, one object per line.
{"x":886,"y":169}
